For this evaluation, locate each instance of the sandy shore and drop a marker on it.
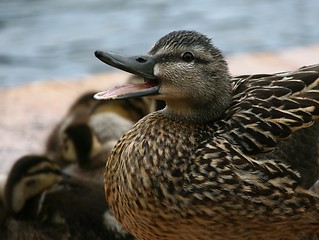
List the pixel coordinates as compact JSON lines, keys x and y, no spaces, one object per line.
{"x":28,"y":113}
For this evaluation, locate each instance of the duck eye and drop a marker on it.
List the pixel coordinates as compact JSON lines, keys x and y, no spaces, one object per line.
{"x":188,"y":56}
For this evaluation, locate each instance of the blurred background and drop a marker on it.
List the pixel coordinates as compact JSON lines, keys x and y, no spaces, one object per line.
{"x":50,"y":39}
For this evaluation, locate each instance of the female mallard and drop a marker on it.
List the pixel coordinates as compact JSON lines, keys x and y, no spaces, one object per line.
{"x":189,"y":171}
{"x":43,"y":203}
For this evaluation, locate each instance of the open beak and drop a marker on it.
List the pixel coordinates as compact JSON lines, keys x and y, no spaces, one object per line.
{"x":142,"y":66}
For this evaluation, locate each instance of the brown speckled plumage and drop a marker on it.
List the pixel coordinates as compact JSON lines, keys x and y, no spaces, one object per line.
{"x":196,"y":170}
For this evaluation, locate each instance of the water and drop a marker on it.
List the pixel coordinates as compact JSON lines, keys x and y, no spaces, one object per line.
{"x":45,"y":39}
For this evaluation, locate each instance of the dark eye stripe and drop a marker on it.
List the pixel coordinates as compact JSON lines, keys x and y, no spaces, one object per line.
{"x":161,"y":58}
{"x":45,"y":170}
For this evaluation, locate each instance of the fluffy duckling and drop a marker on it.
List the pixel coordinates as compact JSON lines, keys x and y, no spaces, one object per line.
{"x":80,"y":109}
{"x":89,"y":131}
{"x":85,"y":145}
{"x":42,"y":203}
{"x":84,"y":118}
{"x":190,"y":171}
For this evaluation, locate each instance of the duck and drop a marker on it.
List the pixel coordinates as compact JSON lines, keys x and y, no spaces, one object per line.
{"x":44,"y":203}
{"x":86,"y":135}
{"x":195,"y":169}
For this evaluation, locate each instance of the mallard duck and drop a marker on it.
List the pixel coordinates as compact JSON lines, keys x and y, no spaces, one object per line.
{"x":43,"y":203}
{"x":194,"y":169}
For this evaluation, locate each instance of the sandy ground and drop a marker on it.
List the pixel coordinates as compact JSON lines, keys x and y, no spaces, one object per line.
{"x":28,"y":113}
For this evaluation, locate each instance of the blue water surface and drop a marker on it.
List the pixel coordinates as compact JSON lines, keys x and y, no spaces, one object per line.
{"x":49,"y":39}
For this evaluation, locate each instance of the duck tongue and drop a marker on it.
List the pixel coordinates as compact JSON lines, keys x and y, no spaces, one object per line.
{"x":129,"y":91}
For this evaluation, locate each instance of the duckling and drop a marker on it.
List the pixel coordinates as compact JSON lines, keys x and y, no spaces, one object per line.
{"x":80,"y":109}
{"x":90,"y":130}
{"x":191,"y":171}
{"x":85,"y":145}
{"x":43,"y":203}
{"x":88,"y":140}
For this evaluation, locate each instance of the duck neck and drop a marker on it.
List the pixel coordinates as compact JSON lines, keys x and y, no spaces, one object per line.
{"x":194,"y":112}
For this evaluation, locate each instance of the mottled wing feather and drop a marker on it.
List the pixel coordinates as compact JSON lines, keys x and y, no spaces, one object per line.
{"x":223,"y":174}
{"x":314,"y":67}
{"x":221,"y":154}
{"x":267,"y":108}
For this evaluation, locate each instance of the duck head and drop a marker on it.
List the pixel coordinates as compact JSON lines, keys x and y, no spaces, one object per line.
{"x":29,"y":176}
{"x":184,"y":69}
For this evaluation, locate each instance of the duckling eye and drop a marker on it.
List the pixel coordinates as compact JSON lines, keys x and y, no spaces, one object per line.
{"x":188,"y":57}
{"x":46,"y":169}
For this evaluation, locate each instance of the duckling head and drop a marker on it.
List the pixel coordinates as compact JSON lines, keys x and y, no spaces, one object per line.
{"x":80,"y":144}
{"x":184,"y":69}
{"x":29,"y":176}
